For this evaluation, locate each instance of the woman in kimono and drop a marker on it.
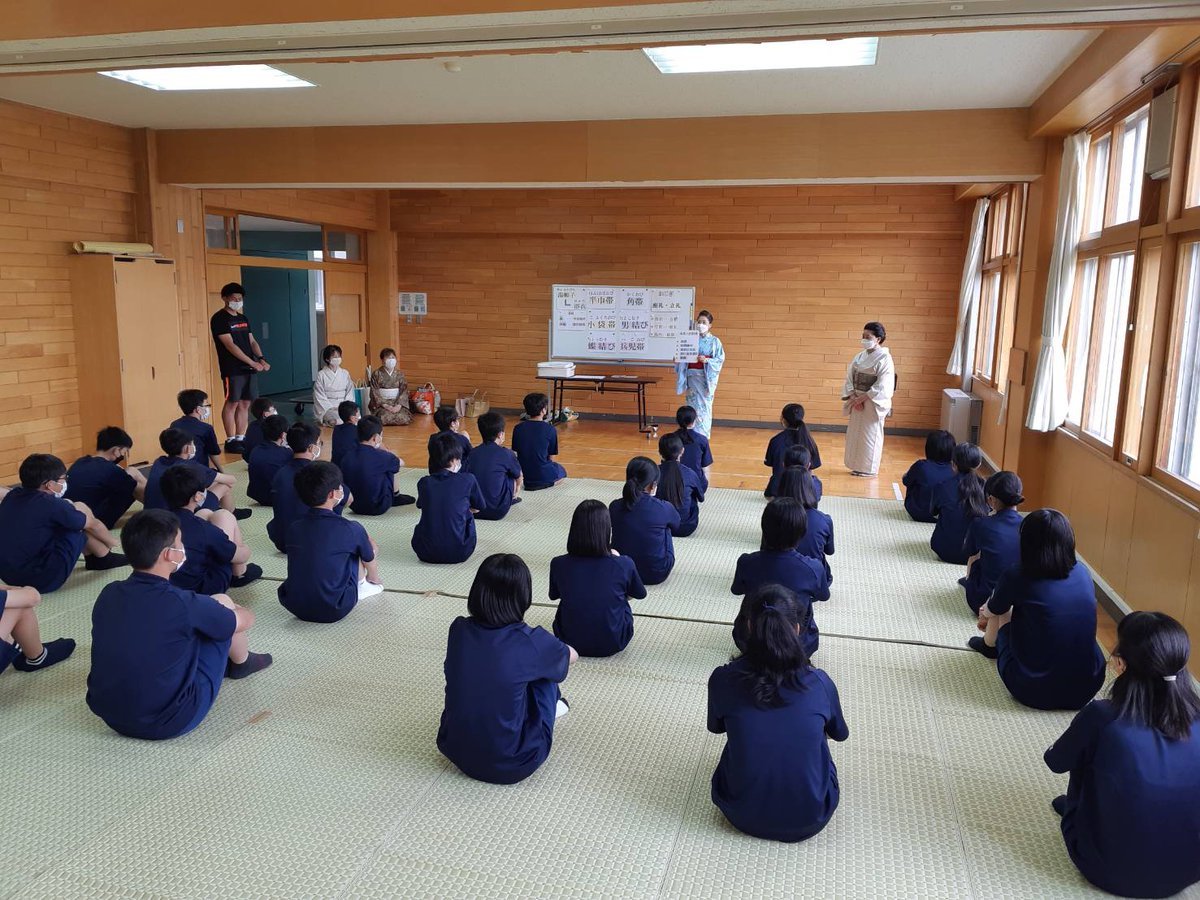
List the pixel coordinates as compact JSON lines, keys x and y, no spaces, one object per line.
{"x":389,"y":392}
{"x":333,"y":384}
{"x":867,"y":400}
{"x":699,"y":378}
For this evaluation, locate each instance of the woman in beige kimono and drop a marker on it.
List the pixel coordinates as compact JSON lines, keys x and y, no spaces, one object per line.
{"x":389,"y":391}
{"x":867,"y":400}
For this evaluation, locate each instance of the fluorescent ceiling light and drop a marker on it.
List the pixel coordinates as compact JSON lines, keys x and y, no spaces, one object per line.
{"x":813,"y":54}
{"x":210,"y":78}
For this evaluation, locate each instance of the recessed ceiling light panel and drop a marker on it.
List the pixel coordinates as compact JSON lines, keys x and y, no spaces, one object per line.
{"x":810,"y":54}
{"x":210,"y":78}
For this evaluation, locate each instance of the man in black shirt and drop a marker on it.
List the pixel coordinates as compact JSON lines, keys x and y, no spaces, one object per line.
{"x":240,"y":359}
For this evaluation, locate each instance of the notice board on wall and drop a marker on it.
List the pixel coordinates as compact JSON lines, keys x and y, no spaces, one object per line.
{"x":612,"y":324}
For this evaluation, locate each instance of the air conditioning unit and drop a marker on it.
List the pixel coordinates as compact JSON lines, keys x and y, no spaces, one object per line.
{"x":961,"y":413}
{"x":1160,"y":134}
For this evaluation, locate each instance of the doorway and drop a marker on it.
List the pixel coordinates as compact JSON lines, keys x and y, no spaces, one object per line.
{"x":280,"y":308}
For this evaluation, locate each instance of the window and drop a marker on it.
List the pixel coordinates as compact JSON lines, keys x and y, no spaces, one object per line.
{"x":1131,"y":158}
{"x":1079,"y":337}
{"x":279,"y":238}
{"x":345,"y":245}
{"x":1097,"y":189}
{"x":1181,"y":444}
{"x":997,"y":297}
{"x":1150,"y":265}
{"x":1102,"y":392}
{"x":989,"y":311}
{"x":220,"y":231}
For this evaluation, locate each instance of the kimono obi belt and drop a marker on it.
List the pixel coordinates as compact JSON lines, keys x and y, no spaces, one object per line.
{"x":695,"y":365}
{"x":388,"y":393}
{"x":864,"y":381}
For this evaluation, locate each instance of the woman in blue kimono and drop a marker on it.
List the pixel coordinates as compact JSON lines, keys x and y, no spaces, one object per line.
{"x":699,"y":379}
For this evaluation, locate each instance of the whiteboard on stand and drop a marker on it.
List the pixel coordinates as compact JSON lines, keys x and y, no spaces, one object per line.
{"x":611,"y":324}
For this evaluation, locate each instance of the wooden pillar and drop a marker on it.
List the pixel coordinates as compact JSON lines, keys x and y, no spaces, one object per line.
{"x":383,"y":321}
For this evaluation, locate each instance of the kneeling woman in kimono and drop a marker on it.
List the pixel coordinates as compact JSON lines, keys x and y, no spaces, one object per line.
{"x":389,"y":392}
{"x":867,"y":400}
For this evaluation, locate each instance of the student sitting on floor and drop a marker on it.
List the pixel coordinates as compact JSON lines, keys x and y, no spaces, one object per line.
{"x":332,"y":387}
{"x":261,"y":409}
{"x":643,"y":524}
{"x":816,"y":542}
{"x":535,"y":441}
{"x":496,"y":468}
{"x":345,"y":435}
{"x":779,"y":562}
{"x":1131,"y":814}
{"x":100,"y":482}
{"x":502,"y":679}
{"x":697,"y":453}
{"x":679,"y":485}
{"x":798,"y":457}
{"x":20,"y":636}
{"x":448,"y":421}
{"x":448,"y":499}
{"x":593,"y":584}
{"x":196,"y":413}
{"x":159,"y":652}
{"x":925,"y":475}
{"x":776,"y":778}
{"x":795,"y":433}
{"x":955,"y":503}
{"x":270,"y":455}
{"x":218,"y":557}
{"x":332,"y":563}
{"x":993,"y":542}
{"x":1040,"y":622}
{"x":42,"y":533}
{"x":179,"y":449}
{"x":370,"y":471}
{"x":306,"y":445}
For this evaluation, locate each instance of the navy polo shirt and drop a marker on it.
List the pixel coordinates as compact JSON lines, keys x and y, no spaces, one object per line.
{"x":593,"y":613}
{"x":370,"y":474}
{"x":287,"y":504}
{"x":776,"y":778}
{"x":208,"y":568}
{"x":254,"y":437}
{"x":266,"y":460}
{"x":345,"y":439}
{"x":920,"y":481}
{"x":776,"y":447}
{"x":501,"y":693}
{"x":445,"y":532}
{"x":323,"y":551}
{"x":154,"y":497}
{"x":535,"y":442}
{"x":104,"y":486}
{"x":817,"y":542}
{"x":155,"y":652}
{"x":643,"y":533}
{"x":1049,"y":658}
{"x":997,"y":540}
{"x":800,"y":574}
{"x":495,"y":468}
{"x":693,"y":496}
{"x":950,"y":533}
{"x":1133,"y":803}
{"x":696,"y":452}
{"x":41,"y":537}
{"x":464,"y":443}
{"x":205,"y":437}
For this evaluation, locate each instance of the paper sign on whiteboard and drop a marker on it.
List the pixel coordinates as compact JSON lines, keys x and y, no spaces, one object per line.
{"x":689,"y":346}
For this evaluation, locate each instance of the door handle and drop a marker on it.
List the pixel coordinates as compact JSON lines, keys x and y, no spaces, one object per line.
{"x":152,"y":375}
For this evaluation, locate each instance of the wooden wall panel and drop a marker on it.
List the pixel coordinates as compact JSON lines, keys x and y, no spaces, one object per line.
{"x":332,"y":206}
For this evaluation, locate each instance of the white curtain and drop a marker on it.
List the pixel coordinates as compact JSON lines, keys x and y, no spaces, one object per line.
{"x":1048,"y":399}
{"x":963,"y":356}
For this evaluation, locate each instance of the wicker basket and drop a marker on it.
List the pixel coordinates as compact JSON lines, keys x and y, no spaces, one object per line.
{"x":472,"y":405}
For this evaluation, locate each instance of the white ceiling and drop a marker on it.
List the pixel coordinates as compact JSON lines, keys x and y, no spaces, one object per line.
{"x":950,"y":71}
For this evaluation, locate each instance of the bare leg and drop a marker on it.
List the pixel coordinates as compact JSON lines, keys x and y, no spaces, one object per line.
{"x":229,"y":417}
{"x":370,"y":570}
{"x":223,"y":494}
{"x":27,"y":633}
{"x":19,"y":621}
{"x":239,"y":646}
{"x":242,"y":416}
{"x":994,"y":624}
{"x":224,"y":520}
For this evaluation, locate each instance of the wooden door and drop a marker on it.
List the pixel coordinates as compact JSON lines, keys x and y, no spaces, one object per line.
{"x":346,"y":318}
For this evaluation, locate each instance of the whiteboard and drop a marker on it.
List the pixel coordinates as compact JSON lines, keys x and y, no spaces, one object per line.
{"x":605,"y":323}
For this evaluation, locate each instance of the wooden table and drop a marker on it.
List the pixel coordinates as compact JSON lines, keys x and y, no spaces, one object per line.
{"x":603,"y":384}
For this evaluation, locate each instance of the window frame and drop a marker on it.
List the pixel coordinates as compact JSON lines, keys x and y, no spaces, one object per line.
{"x":232,"y":232}
{"x":1003,"y":244}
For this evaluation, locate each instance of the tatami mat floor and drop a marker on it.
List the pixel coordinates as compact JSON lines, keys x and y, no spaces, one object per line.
{"x":320,"y":777}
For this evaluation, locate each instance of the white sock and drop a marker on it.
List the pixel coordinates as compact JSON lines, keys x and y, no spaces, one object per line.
{"x":561,"y":709}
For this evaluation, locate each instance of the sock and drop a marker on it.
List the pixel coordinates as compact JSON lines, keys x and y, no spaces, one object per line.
{"x":40,"y":659}
{"x":111,"y":560}
{"x":255,"y":662}
{"x":980,"y":646}
{"x":53,"y":652}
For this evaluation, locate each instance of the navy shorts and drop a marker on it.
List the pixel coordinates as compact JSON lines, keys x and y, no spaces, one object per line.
{"x":210,"y":671}
{"x":240,"y":387}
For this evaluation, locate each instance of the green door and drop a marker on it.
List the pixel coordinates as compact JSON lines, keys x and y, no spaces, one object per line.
{"x":277,"y":304}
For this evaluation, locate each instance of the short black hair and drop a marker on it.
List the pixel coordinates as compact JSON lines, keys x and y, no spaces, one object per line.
{"x":260,"y":406}
{"x":877,"y":329}
{"x":147,"y":534}
{"x":38,"y":468}
{"x":704,"y":314}
{"x":274,"y":427}
{"x":1005,"y":487}
{"x":346,"y":410}
{"x":385,"y":353}
{"x":591,"y":530}
{"x":939,"y":446}
{"x":302,"y":435}
{"x":502,"y":590}
{"x":444,"y":448}
{"x":444,"y":417}
{"x":316,"y":481}
{"x":685,"y":416}
{"x":368,"y":427}
{"x":232,"y":288}
{"x":174,"y":441}
{"x":112,"y":436}
{"x":179,"y":484}
{"x":1047,"y":545}
{"x":535,"y":404}
{"x":329,"y":352}
{"x":490,"y":425}
{"x":190,"y":400}
{"x":784,"y":523}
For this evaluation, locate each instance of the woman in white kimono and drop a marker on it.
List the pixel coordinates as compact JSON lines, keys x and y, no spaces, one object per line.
{"x":867,"y":400}
{"x":332,"y":386}
{"x":699,"y":378}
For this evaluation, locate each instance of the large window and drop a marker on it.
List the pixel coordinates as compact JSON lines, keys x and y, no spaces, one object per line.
{"x":1181,"y":445}
{"x":998,"y":288}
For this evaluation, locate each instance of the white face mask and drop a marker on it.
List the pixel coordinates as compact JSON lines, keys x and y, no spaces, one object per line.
{"x":189,"y":452}
{"x":236,"y":305}
{"x":341,"y":495}
{"x":334,"y":362}
{"x":389,"y":363}
{"x":205,"y":413}
{"x":456,"y":465}
{"x":203,"y":495}
{"x":182,"y":557}
{"x":703,"y":327}
{"x":317,"y":453}
{"x":869,"y":343}
{"x":62,"y":492}
{"x":271,"y":412}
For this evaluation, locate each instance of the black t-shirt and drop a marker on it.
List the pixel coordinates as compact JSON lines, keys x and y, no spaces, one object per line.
{"x":237,"y":327}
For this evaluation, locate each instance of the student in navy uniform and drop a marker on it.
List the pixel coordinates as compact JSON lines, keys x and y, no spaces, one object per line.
{"x":159,"y":652}
{"x":776,"y":779}
{"x":817,"y":540}
{"x":795,"y":433}
{"x":593,"y":584}
{"x":1040,"y":622}
{"x":42,"y":533}
{"x":332,"y":563}
{"x":217,"y":555}
{"x":502,"y":679}
{"x":448,"y":421}
{"x":993,"y":542}
{"x":679,"y":485}
{"x":1131,"y":814}
{"x":447,"y":498}
{"x":345,"y":435}
{"x":179,"y":449}
{"x":496,"y":468}
{"x":269,"y":456}
{"x":924,"y":476}
{"x":196,"y":413}
{"x":304,"y":439}
{"x":370,"y":471}
{"x":779,"y":562}
{"x":260,"y":410}
{"x":20,"y":635}
{"x":100,"y":482}
{"x":535,"y":442}
{"x":955,"y":503}
{"x":697,"y":454}
{"x":798,"y":457}
{"x":643,"y":524}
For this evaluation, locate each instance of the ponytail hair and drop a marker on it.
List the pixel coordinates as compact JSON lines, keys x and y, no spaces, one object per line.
{"x":670,"y":481}
{"x":1155,"y":689}
{"x":797,"y":455}
{"x":685,"y":418}
{"x":771,"y":619}
{"x":971,"y":498}
{"x":640,"y":476}
{"x":784,"y":524}
{"x":796,"y":433}
{"x":798,"y":484}
{"x":1005,"y":487}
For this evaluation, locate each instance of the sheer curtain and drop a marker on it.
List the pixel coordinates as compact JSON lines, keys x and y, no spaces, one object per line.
{"x":963,"y":355}
{"x":1048,"y":399}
